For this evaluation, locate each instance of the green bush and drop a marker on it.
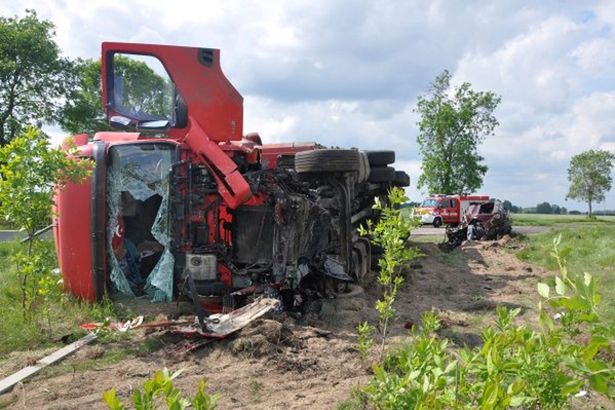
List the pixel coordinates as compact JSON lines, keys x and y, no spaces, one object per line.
{"x":160,"y":389}
{"x":567,"y":355}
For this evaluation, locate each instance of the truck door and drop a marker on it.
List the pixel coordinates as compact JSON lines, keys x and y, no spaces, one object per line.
{"x":454,"y":212}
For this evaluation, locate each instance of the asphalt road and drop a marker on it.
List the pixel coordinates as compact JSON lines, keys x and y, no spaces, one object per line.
{"x":525,"y":230}
{"x":7,"y":235}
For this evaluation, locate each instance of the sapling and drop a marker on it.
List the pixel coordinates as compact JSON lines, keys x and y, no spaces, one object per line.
{"x":390,"y":233}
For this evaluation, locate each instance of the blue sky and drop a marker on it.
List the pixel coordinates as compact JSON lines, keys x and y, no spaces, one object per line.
{"x":347,"y":73}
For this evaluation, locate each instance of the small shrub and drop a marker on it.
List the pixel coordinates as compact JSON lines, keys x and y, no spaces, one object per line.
{"x":516,"y":366}
{"x":160,"y":387}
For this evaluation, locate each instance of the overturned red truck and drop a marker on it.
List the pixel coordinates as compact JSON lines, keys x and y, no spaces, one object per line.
{"x":182,"y":204}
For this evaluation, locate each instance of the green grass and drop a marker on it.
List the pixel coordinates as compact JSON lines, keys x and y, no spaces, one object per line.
{"x":593,"y":251}
{"x":428,"y":238}
{"x":555,"y":220}
{"x":49,"y":321}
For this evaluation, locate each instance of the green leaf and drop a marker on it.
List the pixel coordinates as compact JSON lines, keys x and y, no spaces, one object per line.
{"x":560,"y":287}
{"x":112,"y":401}
{"x":599,"y":383}
{"x":543,"y":290}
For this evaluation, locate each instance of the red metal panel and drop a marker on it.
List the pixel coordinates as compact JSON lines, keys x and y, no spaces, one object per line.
{"x":72,"y":233}
{"x":211,"y":99}
{"x":270,"y":152}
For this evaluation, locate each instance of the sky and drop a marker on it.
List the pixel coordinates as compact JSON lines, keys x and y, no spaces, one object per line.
{"x":348,"y":73}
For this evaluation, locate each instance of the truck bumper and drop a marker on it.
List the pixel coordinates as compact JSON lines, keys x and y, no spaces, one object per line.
{"x":427,"y":219}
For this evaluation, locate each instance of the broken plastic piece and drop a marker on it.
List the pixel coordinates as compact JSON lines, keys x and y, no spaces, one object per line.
{"x":221,"y":325}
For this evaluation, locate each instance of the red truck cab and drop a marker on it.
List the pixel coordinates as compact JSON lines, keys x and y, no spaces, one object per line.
{"x":447,"y":209}
{"x":182,"y":204}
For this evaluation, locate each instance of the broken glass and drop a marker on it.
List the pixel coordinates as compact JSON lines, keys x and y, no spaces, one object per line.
{"x":142,"y":170}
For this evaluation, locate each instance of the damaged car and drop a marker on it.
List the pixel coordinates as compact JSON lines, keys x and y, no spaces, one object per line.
{"x":487,"y":221}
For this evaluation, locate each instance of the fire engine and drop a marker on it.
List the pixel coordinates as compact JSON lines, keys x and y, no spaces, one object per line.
{"x":447,"y":209}
{"x":182,"y":204}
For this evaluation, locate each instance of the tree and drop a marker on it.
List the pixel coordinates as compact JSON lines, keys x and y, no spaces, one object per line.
{"x":145,"y":91}
{"x":589,"y":175}
{"x":30,"y":172}
{"x":544,"y":208}
{"x":34,"y":78}
{"x":83,"y":112}
{"x":451,"y":127}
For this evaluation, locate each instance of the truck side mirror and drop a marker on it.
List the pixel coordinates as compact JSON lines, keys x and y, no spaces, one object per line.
{"x":121,"y":122}
{"x":153,"y":126}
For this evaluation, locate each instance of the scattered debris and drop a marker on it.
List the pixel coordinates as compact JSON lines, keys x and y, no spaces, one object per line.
{"x":120,"y":327}
{"x":7,"y":383}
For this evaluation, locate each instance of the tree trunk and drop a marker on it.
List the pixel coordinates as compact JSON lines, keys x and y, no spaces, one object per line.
{"x":590,"y":207}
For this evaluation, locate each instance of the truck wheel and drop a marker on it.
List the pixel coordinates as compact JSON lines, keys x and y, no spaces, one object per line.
{"x":327,"y":160}
{"x":381,"y":174}
{"x":380,"y":158}
{"x":437,"y":222}
{"x":401,"y":179}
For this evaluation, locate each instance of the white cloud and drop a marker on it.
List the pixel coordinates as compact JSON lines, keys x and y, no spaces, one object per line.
{"x":348,"y":73}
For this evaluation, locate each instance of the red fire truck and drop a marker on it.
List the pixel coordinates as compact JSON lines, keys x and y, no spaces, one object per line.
{"x":447,"y":209}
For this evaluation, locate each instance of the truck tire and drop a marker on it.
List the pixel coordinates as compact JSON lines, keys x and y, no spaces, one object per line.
{"x":381,"y":174}
{"x":401,"y":179}
{"x":380,"y":158}
{"x":437,"y":222}
{"x":327,"y":160}
{"x":363,"y":167}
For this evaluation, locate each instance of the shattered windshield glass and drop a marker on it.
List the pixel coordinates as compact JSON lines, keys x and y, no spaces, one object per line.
{"x":138,"y":234}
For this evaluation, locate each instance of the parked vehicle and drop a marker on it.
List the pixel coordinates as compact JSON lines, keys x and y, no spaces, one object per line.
{"x":447,"y":209}
{"x":182,"y":204}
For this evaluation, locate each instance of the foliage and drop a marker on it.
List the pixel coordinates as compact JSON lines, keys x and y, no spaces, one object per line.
{"x":83,"y":112}
{"x":144,"y":90}
{"x":390,"y":233}
{"x":160,"y":387}
{"x":450,"y":129}
{"x":54,"y":314}
{"x":365,"y":339}
{"x":30,"y":172}
{"x":516,"y":366}
{"x":589,"y":175}
{"x":34,"y":78}
{"x":592,"y":243}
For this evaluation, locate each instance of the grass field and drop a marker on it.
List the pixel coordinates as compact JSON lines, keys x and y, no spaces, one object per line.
{"x":48,"y":321}
{"x":551,"y":220}
{"x":592,"y":250}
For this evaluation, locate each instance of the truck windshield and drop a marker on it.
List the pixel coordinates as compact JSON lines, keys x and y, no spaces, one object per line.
{"x":429,"y":203}
{"x":138,"y":234}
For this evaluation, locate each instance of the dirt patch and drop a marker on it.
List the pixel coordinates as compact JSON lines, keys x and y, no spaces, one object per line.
{"x":282,"y":362}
